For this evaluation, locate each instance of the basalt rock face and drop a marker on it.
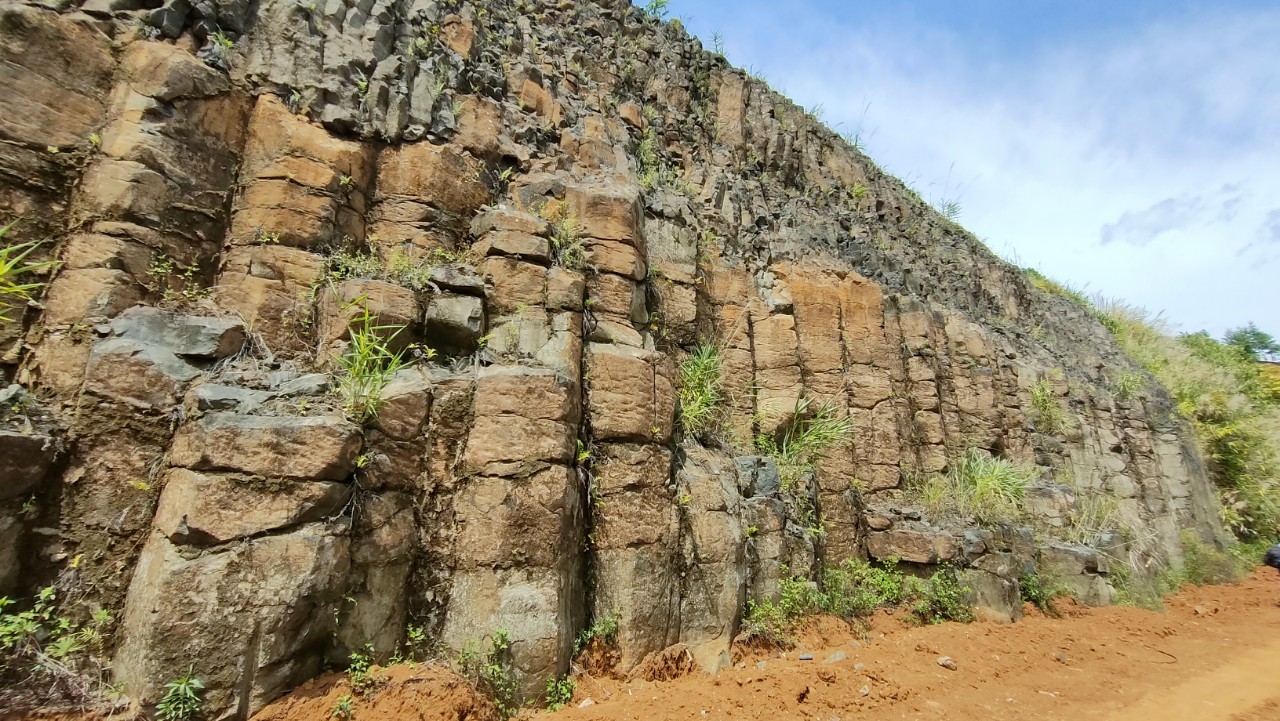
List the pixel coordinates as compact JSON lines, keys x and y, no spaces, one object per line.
{"x":199,"y":167}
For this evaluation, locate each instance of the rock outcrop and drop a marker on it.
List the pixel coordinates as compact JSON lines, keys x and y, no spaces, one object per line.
{"x":547,"y":205}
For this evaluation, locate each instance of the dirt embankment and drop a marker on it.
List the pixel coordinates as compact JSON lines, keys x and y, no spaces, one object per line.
{"x":1213,"y":655}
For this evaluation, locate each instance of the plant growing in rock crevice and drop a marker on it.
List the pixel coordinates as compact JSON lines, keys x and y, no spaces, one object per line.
{"x":367,"y":365}
{"x":1044,"y":407}
{"x":181,"y":700}
{"x":567,"y":246}
{"x":13,"y":265}
{"x":802,"y":441}
{"x":487,"y":663}
{"x":700,"y":390}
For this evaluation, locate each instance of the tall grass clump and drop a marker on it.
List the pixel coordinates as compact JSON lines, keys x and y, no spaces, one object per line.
{"x":13,"y":266}
{"x":1044,"y":406}
{"x":802,"y":441}
{"x":1222,"y":390}
{"x":700,"y":392}
{"x":367,"y":365}
{"x":980,"y":487}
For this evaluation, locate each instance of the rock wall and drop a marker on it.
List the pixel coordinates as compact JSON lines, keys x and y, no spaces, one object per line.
{"x":175,"y":451}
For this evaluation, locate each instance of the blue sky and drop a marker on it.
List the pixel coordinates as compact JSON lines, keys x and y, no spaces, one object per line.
{"x":1130,"y":148}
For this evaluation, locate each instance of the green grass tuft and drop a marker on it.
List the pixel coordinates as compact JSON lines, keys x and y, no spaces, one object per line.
{"x":700,"y":392}
{"x":987,"y":489}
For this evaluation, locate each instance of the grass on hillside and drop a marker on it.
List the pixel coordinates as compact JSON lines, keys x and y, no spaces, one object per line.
{"x":1232,"y":400}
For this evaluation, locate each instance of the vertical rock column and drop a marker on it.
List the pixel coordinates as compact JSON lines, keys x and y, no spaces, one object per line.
{"x":241,"y":577}
{"x":518,"y":550}
{"x":714,"y":583}
{"x":302,"y":192}
{"x":152,"y":204}
{"x":55,"y":72}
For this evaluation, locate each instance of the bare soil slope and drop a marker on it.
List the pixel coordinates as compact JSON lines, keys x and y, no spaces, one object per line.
{"x":1214,"y":655}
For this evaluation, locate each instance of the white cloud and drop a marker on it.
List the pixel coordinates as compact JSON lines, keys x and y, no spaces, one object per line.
{"x":1163,"y":141}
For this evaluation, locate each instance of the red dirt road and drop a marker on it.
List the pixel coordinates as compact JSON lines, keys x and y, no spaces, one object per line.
{"x":1214,"y":655}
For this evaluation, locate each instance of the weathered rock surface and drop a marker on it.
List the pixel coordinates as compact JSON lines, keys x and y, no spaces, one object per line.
{"x":559,"y":202}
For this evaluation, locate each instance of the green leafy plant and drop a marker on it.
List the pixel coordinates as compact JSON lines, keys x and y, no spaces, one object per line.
{"x":41,"y":643}
{"x":181,"y":700}
{"x":773,"y":621}
{"x":367,"y":365}
{"x":177,"y":284}
{"x":604,"y":629}
{"x":856,"y":588}
{"x":944,"y":597}
{"x":700,"y":395}
{"x":13,"y":265}
{"x":487,"y":664}
{"x":343,"y":708}
{"x":559,"y":692}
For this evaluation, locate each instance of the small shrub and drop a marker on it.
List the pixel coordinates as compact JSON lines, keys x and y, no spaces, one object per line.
{"x":41,"y":644}
{"x":488,"y":664}
{"x":360,"y":670}
{"x":1040,"y":590}
{"x":605,"y":629}
{"x":773,"y":621}
{"x":700,"y":395}
{"x":1204,"y":565}
{"x":1128,"y":385}
{"x":367,"y":366}
{"x":856,"y":588}
{"x":344,"y":708}
{"x":181,"y":700}
{"x":559,"y":692}
{"x":944,"y":597}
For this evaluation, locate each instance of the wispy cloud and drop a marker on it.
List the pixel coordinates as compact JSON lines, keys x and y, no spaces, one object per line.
{"x":1084,"y":155}
{"x":1140,"y":227}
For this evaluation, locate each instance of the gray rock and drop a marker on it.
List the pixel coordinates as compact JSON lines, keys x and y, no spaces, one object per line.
{"x":24,"y":461}
{"x":311,"y":384}
{"x":214,"y":397}
{"x":458,"y":280}
{"x":836,"y":657}
{"x":758,"y":476}
{"x":454,"y":324}
{"x":947,"y":663}
{"x":187,"y":336}
{"x":170,"y":18}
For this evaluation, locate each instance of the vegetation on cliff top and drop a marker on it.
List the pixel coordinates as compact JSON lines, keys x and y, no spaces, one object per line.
{"x":1222,"y":388}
